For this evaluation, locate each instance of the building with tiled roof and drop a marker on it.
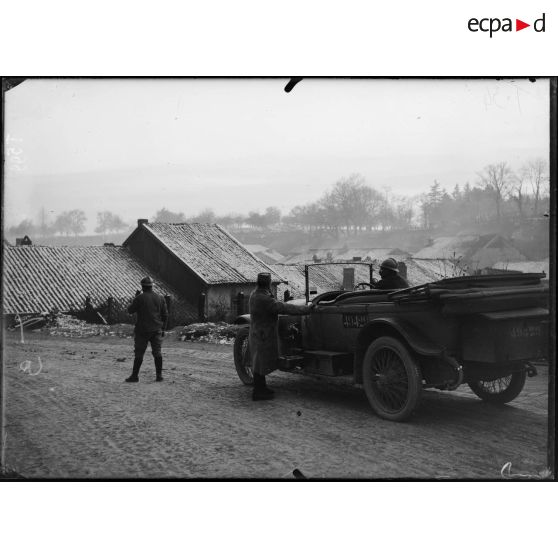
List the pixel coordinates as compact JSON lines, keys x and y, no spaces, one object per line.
{"x":205,"y":263}
{"x":542,"y":266}
{"x":39,"y":278}
{"x":267,"y":255}
{"x":343,"y":254}
{"x":473,"y":252}
{"x":323,"y":278}
{"x":424,"y":271}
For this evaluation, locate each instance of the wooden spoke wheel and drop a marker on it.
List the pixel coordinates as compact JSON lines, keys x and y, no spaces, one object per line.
{"x":242,"y":357}
{"x":502,"y":390}
{"x":392,"y":379}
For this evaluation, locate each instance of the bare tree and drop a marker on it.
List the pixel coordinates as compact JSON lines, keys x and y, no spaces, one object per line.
{"x":166,"y":216}
{"x":108,"y":221}
{"x":207,"y":215}
{"x":44,"y":227}
{"x":403,"y":212}
{"x":425,"y":210}
{"x":272,"y":216}
{"x":368,"y":205}
{"x":229,"y":220}
{"x":72,"y":221}
{"x":536,"y":172}
{"x":237,"y":220}
{"x":25,"y":227}
{"x":103,"y":220}
{"x":344,"y":199}
{"x":431,"y":205}
{"x":77,"y":220}
{"x":498,"y":178}
{"x":354,"y":204}
{"x":254,"y":219}
{"x":518,"y":192}
{"x":117,"y":224}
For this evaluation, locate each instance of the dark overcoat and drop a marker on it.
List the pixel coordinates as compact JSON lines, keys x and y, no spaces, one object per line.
{"x":152,"y":312}
{"x":263,"y":341}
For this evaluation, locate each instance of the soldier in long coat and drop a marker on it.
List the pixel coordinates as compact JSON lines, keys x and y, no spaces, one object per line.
{"x":263,"y":342}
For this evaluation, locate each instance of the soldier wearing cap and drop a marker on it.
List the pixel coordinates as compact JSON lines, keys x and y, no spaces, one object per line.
{"x":390,"y":278}
{"x":152,"y":315}
{"x":264,"y":310}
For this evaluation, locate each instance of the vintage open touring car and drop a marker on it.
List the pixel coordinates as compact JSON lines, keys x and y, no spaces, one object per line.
{"x":483,"y":330}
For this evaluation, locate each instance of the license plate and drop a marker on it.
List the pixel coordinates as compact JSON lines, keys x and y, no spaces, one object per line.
{"x":354,"y":320}
{"x":525,"y":330}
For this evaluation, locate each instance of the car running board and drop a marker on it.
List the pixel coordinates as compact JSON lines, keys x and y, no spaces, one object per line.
{"x":328,"y":363}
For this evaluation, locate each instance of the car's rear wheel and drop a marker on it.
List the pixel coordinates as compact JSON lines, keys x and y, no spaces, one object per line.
{"x":242,"y":357}
{"x":392,"y":379}
{"x":502,"y":390}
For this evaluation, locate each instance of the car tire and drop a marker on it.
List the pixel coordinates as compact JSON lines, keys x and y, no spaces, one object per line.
{"x":242,"y":358}
{"x":502,"y":390}
{"x":392,"y":379}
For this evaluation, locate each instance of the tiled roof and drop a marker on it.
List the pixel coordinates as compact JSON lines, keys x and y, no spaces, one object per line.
{"x":448,"y":247}
{"x":267,"y":255}
{"x":211,"y":252}
{"x":373,"y":254}
{"x":38,"y":278}
{"x":345,"y":254}
{"x":426,"y":271}
{"x":461,"y":246}
{"x":477,"y":252}
{"x":525,"y":267}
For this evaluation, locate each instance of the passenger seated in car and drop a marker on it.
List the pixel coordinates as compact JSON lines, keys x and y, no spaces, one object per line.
{"x":390,"y":278}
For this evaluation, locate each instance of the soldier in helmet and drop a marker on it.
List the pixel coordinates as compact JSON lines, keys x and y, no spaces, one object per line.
{"x":152,"y":315}
{"x":264,"y":310}
{"x":390,"y":278}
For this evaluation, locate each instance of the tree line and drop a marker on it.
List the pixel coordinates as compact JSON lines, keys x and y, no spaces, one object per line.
{"x":271,"y":216}
{"x":500,"y":194}
{"x":71,"y":222}
{"x":351,"y":205}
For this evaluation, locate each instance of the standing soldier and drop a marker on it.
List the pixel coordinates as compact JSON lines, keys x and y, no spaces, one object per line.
{"x":150,"y":327}
{"x":264,"y":310}
{"x":390,"y":278}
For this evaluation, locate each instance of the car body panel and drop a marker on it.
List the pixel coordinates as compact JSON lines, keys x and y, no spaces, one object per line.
{"x":487,"y":325}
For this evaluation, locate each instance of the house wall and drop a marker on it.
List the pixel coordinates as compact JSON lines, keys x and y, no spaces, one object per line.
{"x":220,"y":303}
{"x":222,"y":300}
{"x":145,"y":247}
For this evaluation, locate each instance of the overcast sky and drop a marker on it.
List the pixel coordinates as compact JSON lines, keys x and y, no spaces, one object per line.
{"x":134,"y":146}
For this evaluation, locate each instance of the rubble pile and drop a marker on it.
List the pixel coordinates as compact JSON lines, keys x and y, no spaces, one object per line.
{"x":64,"y":325}
{"x":219,"y":333}
{"x":69,"y":326}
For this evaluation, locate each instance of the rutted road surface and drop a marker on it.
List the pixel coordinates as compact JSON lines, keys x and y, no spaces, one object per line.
{"x":77,"y":418}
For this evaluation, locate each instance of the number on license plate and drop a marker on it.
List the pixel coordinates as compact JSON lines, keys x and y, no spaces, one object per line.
{"x":525,"y":331}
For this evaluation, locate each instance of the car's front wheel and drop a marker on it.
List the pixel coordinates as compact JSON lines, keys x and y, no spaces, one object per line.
{"x":392,"y":379}
{"x":242,"y":357}
{"x":502,"y":390}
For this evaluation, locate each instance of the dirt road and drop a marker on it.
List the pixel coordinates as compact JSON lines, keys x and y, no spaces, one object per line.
{"x":77,"y":418}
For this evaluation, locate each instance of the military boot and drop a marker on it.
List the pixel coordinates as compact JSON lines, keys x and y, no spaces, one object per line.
{"x":261,"y":392}
{"x":135,"y":370}
{"x":158,"y":368}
